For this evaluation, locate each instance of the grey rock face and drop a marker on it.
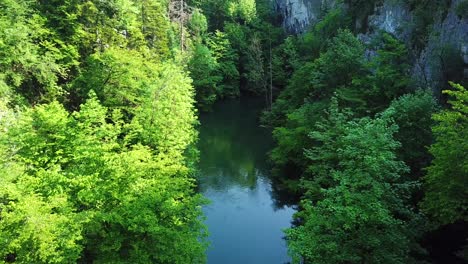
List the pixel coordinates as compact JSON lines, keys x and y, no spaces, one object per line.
{"x":449,"y":35}
{"x":394,"y":17}
{"x":299,"y":14}
{"x":464,"y":51}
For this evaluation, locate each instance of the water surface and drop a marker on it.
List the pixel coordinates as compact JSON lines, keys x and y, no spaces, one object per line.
{"x":245,"y":225}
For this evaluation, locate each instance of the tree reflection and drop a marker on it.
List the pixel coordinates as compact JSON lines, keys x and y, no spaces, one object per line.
{"x":234,"y":148}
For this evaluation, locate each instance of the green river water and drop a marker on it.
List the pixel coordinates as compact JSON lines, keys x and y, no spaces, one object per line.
{"x":244,"y":223}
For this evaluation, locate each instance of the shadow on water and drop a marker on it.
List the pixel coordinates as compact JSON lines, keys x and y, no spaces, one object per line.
{"x":232,"y":145}
{"x":243,"y":219}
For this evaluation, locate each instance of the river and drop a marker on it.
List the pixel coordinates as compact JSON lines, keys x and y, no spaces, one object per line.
{"x":244,"y":223}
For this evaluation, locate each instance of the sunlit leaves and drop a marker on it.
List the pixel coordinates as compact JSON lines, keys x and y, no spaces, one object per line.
{"x":167,"y":116}
{"x":82,"y":194}
{"x":447,"y":178}
{"x":243,"y":9}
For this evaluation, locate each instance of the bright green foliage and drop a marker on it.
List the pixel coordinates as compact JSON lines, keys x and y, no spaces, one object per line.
{"x":45,"y":44}
{"x":198,"y":23}
{"x":446,"y":194}
{"x":111,"y":183}
{"x":134,"y":24}
{"x":221,"y":10}
{"x":119,"y":77}
{"x":38,"y":223}
{"x":107,"y":184}
{"x":61,"y":20}
{"x":166,"y":118}
{"x":35,"y":228}
{"x":354,"y":220}
{"x":242,"y":9}
{"x":38,"y":230}
{"x":28,"y":63}
{"x":94,"y":197}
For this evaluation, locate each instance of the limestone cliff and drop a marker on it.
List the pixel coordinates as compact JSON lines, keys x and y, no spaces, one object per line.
{"x":299,"y":14}
{"x":447,"y":42}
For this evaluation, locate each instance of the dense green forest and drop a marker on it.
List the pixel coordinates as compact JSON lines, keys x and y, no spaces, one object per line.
{"x":99,"y":104}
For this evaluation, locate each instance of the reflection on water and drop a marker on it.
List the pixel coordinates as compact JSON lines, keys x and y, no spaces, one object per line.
{"x":244,"y":224}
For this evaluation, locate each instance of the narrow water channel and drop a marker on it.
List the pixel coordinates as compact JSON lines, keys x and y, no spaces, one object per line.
{"x":244,"y":224}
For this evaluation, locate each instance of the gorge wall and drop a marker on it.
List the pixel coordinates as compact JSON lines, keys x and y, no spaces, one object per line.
{"x":446,"y":45}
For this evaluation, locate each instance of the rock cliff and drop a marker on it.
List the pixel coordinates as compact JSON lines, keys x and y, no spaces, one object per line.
{"x":447,"y":43}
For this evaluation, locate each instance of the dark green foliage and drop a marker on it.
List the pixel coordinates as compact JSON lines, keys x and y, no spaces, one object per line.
{"x":242,"y":35}
{"x":349,"y":199}
{"x":335,"y":68}
{"x":412,"y":113}
{"x":367,"y":87}
{"x":255,"y":67}
{"x":227,"y":59}
{"x":323,"y":156}
{"x":462,"y":9}
{"x":359,"y":11}
{"x":317,"y":80}
{"x":302,"y":103}
{"x":215,"y":11}
{"x":425,"y":12}
{"x":386,"y":78}
{"x":203,"y":69}
{"x":353,"y":220}
{"x":316,"y":39}
{"x":285,"y":61}
{"x":156,"y":26}
{"x":451,"y":65}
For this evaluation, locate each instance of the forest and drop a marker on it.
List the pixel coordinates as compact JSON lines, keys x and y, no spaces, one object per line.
{"x":99,"y":129}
